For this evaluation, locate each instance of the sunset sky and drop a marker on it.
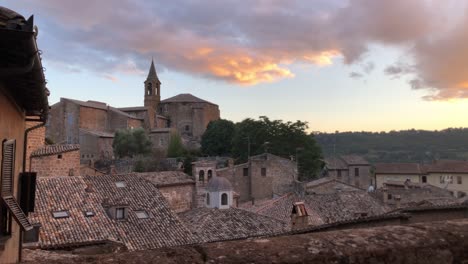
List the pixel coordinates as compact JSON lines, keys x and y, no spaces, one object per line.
{"x":353,"y":65}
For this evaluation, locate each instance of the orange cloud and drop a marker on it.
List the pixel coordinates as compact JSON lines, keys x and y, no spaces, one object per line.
{"x":323,"y":58}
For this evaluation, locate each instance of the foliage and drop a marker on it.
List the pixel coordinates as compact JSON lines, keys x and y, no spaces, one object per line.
{"x":217,"y":139}
{"x":398,"y":146}
{"x":131,"y":142}
{"x":176,"y":148}
{"x":285,"y":139}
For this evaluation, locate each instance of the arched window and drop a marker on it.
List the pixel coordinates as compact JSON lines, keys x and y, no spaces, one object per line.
{"x":210,"y":174}
{"x":424,"y":179}
{"x":224,"y":199}
{"x":150,"y":89}
{"x":201,"y":176}
{"x":208,"y":199}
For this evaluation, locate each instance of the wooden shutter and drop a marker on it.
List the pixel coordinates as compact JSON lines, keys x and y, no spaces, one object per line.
{"x":17,"y":213}
{"x":27,"y":191}
{"x":8,"y":167}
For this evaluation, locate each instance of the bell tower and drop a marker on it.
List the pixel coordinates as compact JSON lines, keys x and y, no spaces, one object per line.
{"x":152,"y":95}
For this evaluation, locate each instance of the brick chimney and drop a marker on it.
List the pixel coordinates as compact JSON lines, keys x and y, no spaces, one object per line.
{"x":299,"y":216}
{"x":385,"y":195}
{"x":398,"y":201}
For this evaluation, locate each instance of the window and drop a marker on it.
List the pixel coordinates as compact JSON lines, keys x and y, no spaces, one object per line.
{"x":120,"y":184}
{"x":60,"y":214}
{"x":207,"y":199}
{"x":89,"y":213}
{"x":150,"y":89}
{"x":459,"y":179}
{"x":446,"y":179}
{"x":201,"y":176}
{"x":263,"y":172}
{"x":59,"y":156}
{"x":356,"y":172}
{"x":390,"y":196}
{"x":161,"y":142}
{"x":224,"y":199}
{"x":424,"y":179}
{"x":245,"y":171}
{"x":120,"y":213}
{"x":210,"y":174}
{"x":339,"y":174}
{"x":187,"y":128}
{"x":142,"y":214}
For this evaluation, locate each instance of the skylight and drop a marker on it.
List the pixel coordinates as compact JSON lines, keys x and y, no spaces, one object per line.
{"x":61,"y":214}
{"x":120,"y":184}
{"x":89,"y":213}
{"x":142,"y":214}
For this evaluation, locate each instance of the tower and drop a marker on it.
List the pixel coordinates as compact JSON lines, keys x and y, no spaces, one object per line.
{"x":152,"y":95}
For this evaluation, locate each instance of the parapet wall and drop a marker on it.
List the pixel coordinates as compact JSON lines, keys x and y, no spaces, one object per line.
{"x":432,"y":242}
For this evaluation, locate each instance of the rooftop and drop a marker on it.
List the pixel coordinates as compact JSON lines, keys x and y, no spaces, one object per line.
{"x":211,"y":224}
{"x":397,"y":168}
{"x":167,"y":178}
{"x":102,"y":106}
{"x":49,"y":150}
{"x":102,"y":134}
{"x":185,"y":98}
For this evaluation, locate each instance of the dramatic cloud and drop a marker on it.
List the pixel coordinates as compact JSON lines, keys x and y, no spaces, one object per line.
{"x":256,"y":42}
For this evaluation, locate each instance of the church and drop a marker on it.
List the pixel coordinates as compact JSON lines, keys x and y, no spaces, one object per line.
{"x":93,"y":124}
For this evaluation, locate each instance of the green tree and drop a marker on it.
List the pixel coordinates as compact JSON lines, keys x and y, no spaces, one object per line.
{"x":176,"y":148}
{"x":131,"y":142}
{"x":284,"y":139}
{"x":217,"y":139}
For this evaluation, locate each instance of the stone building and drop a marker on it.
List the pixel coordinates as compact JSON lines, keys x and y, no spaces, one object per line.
{"x":23,"y":99}
{"x":263,"y":176}
{"x":447,"y":174}
{"x":92,"y":124}
{"x":352,"y":169}
{"x":56,"y":160}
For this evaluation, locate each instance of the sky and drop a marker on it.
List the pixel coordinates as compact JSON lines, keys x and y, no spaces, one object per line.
{"x":340,"y":65}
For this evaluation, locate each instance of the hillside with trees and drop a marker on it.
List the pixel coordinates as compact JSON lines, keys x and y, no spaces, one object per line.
{"x":398,"y":146}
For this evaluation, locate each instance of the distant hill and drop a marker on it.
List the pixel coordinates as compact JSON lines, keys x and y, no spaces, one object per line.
{"x":398,"y":146}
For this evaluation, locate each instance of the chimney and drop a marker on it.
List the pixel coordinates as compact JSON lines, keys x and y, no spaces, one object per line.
{"x":398,"y":201}
{"x":299,"y":216}
{"x":385,"y":195}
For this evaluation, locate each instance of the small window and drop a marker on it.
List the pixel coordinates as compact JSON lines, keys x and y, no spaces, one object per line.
{"x":120,"y":213}
{"x":187,"y":128}
{"x":59,"y":156}
{"x":201,"y":176}
{"x":224,"y":199}
{"x":210,"y":174}
{"x":89,"y":213}
{"x":356,"y":172}
{"x":339,"y":173}
{"x":459,"y":179}
{"x":390,"y":196}
{"x":60,"y":214}
{"x":207,"y":199}
{"x":141,"y":214}
{"x":246,"y":171}
{"x":120,"y":184}
{"x":263,"y":171}
{"x":424,"y":179}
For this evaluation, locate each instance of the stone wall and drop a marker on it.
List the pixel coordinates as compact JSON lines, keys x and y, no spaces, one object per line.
{"x":436,"y":242}
{"x":65,"y":164}
{"x":93,"y":119}
{"x":179,"y":197}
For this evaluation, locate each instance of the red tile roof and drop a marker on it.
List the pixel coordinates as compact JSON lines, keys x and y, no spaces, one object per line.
{"x":49,"y":150}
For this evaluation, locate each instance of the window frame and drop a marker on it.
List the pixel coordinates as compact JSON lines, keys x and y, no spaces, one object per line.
{"x":263,"y":172}
{"x":356,"y":172}
{"x":245,"y":171}
{"x":144,"y":212}
{"x":224,"y":199}
{"x":119,"y":209}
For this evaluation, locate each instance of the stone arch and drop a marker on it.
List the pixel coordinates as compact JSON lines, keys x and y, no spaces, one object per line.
{"x":224,"y":199}
{"x":150,"y":89}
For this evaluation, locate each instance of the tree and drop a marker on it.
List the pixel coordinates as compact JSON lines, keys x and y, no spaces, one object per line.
{"x":217,"y":139}
{"x":131,"y":142}
{"x":175,"y":148}
{"x":280,"y":138}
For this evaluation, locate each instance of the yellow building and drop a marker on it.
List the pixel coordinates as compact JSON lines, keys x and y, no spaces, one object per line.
{"x":23,"y":99}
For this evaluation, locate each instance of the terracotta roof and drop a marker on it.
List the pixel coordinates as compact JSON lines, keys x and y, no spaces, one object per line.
{"x":162,"y":229}
{"x":334,"y":163}
{"x":98,"y":133}
{"x":185,"y":98}
{"x":211,"y":224}
{"x":326,"y":208}
{"x":68,"y":193}
{"x":167,"y":178}
{"x":447,"y":166}
{"x":102,"y":106}
{"x":354,"y":160}
{"x":397,"y":168}
{"x":54,"y":149}
{"x":328,"y":184}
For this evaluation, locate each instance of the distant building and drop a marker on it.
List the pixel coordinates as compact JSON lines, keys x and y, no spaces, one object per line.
{"x":56,"y":160}
{"x":328,"y":185}
{"x":447,"y":174}
{"x":92,"y":124}
{"x":351,"y":169}
{"x":23,"y":108}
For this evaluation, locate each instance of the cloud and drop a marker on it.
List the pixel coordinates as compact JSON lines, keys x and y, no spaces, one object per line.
{"x":226,"y":41}
{"x":355,"y":75}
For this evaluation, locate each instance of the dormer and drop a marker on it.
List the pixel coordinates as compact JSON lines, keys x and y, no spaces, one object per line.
{"x":219,"y":193}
